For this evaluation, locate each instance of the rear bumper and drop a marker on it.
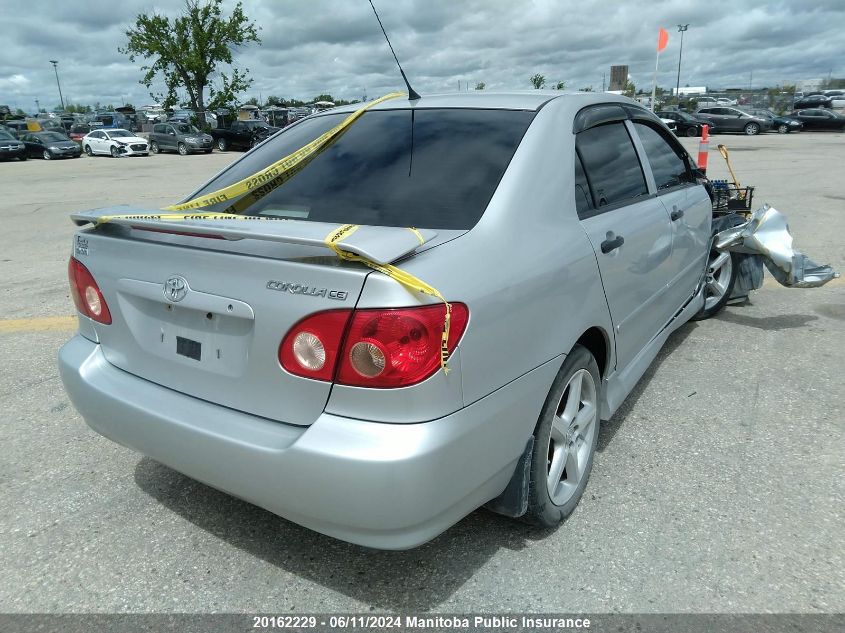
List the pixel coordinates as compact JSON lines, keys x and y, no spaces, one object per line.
{"x":389,"y":486}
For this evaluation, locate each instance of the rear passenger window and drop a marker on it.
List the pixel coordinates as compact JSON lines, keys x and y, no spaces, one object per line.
{"x":611,"y":164}
{"x":668,"y":167}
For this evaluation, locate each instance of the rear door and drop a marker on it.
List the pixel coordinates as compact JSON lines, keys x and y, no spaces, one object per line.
{"x":630,"y":233}
{"x":685,"y":201}
{"x":157,"y":135}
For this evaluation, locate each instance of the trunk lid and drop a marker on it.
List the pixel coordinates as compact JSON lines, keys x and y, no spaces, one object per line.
{"x":205,"y":316}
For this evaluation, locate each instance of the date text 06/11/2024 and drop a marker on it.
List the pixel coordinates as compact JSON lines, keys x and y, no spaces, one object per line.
{"x":419,"y":622}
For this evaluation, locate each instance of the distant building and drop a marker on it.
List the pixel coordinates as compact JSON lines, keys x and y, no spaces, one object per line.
{"x":690,"y":90}
{"x":809,"y":85}
{"x":618,"y":78}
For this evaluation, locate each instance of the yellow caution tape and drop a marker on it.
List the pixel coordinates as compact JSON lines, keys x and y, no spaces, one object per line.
{"x":258,"y":184}
{"x":397,"y":274}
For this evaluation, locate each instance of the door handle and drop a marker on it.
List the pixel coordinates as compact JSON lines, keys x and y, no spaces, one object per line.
{"x":676,"y":214}
{"x":612,"y":244}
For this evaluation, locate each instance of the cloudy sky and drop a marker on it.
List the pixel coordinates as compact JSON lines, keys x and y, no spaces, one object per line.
{"x":335,"y":46}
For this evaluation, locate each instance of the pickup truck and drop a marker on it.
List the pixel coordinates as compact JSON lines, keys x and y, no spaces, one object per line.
{"x":242,"y":135}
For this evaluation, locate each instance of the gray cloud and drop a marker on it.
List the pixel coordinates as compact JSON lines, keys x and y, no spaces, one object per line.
{"x":336,"y":46}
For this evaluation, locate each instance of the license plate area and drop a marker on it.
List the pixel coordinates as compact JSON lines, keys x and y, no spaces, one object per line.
{"x":187,"y":347}
{"x":197,"y":340}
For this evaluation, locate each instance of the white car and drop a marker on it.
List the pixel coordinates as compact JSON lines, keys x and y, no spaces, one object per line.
{"x":115,"y":142}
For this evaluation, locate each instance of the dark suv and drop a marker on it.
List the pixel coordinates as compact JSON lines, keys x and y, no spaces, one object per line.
{"x":179,"y":137}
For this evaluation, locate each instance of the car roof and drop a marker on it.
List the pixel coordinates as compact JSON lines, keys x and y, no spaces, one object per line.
{"x":484,"y":99}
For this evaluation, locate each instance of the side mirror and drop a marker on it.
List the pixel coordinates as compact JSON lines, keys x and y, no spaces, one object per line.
{"x":172,"y":133}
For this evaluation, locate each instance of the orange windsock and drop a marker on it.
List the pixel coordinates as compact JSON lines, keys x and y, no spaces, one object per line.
{"x":662,"y":39}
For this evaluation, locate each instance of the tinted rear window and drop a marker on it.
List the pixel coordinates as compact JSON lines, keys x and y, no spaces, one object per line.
{"x":432,"y":168}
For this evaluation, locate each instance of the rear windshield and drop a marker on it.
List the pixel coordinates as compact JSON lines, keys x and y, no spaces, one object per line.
{"x":432,"y":168}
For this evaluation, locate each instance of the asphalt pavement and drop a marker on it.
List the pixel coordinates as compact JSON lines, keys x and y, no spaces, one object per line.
{"x":718,"y":486}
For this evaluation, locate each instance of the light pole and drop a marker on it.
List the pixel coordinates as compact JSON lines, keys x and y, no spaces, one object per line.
{"x":37,"y":107}
{"x":55,"y":68}
{"x":681,"y":29}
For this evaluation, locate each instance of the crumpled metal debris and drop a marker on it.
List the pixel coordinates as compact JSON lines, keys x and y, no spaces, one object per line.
{"x":767,"y":233}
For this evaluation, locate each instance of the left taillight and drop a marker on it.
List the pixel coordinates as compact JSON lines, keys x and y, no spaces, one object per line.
{"x":86,"y":294}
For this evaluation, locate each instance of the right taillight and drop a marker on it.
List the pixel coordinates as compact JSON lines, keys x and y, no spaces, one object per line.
{"x":86,"y":293}
{"x":379,"y":347}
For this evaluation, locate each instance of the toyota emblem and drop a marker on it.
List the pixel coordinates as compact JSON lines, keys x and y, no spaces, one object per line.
{"x":175,"y":288}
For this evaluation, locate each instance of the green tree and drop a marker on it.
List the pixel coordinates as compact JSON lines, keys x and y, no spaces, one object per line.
{"x":188,"y":51}
{"x":480,"y":85}
{"x":252,"y":101}
{"x":630,"y":89}
{"x":561,"y":85}
{"x":273,"y":101}
{"x":538,"y":81}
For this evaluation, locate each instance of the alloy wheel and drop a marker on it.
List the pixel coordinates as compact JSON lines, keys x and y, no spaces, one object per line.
{"x":571,"y":437}
{"x":718,"y":278}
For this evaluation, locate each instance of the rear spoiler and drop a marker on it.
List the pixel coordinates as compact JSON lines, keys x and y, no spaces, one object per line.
{"x":379,"y":244}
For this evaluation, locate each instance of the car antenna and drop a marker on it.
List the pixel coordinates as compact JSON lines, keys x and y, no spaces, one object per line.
{"x":412,"y":94}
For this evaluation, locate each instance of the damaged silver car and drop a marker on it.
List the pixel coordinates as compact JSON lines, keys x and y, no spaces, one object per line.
{"x":561,"y":239}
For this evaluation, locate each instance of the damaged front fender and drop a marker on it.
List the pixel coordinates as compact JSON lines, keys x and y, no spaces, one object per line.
{"x":767,"y":234}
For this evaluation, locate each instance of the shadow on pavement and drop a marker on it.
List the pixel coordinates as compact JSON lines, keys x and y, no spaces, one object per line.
{"x":413,"y":580}
{"x":772,"y":323}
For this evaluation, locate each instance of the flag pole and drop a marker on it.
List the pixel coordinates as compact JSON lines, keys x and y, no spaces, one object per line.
{"x":662,"y":40}
{"x":654,"y":80}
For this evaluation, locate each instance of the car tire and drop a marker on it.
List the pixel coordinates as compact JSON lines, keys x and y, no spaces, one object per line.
{"x":208,"y":151}
{"x":182,"y":149}
{"x":783,"y":129}
{"x":222,"y":145}
{"x":154,"y":147}
{"x":47,"y":155}
{"x":693,"y":131}
{"x":720,"y":278}
{"x":752,"y":129}
{"x":88,"y":151}
{"x":565,"y":441}
{"x":114,"y":152}
{"x":23,"y":157}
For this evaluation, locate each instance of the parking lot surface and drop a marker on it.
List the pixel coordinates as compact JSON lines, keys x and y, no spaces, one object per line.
{"x":718,"y":486}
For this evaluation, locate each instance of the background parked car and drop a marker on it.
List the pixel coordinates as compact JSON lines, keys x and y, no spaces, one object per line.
{"x":687,"y":124}
{"x":818,"y":119}
{"x":783,"y":124}
{"x":242,"y":135}
{"x":837,"y":98}
{"x":49,"y":145}
{"x":813,"y":101}
{"x":78,"y":131}
{"x":115,"y":142}
{"x":114,"y":120}
{"x":735,"y":120}
{"x":19,"y":126}
{"x":179,"y":137}
{"x":10,"y":147}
